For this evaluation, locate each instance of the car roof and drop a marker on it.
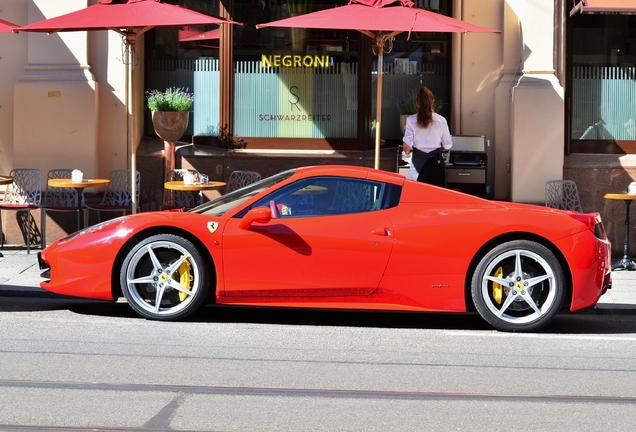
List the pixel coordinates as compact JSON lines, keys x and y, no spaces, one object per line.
{"x":351,"y":171}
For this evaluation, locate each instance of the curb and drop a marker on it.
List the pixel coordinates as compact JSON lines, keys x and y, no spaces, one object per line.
{"x":614,"y":309}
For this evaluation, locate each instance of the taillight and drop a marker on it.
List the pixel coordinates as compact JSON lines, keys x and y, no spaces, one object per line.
{"x":592,"y":221}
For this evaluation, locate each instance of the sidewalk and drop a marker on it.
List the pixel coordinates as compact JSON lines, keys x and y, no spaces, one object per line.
{"x":19,"y":269}
{"x":621,"y":299}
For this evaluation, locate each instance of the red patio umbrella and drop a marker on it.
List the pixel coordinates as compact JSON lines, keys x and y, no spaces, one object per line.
{"x":130,"y":18}
{"x":381,"y":20}
{"x":7,"y":27}
{"x":190,"y":35}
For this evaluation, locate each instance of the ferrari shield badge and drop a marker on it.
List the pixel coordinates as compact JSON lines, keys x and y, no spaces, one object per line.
{"x":212,"y":226}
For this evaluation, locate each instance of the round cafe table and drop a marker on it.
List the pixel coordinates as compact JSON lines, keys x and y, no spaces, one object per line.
{"x":195,"y":188}
{"x":79,"y":187}
{"x":621,"y":194}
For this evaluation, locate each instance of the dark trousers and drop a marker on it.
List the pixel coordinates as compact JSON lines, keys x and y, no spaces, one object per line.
{"x":431,"y":167}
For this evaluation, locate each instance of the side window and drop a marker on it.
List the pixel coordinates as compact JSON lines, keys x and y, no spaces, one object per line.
{"x":322,"y":196}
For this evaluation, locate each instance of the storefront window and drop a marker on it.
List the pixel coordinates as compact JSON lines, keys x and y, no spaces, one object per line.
{"x":296,"y":83}
{"x":174,"y":60}
{"x":603,"y":84}
{"x":303,"y":83}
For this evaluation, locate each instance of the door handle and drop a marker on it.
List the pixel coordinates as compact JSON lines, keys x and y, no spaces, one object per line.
{"x":383,"y":232}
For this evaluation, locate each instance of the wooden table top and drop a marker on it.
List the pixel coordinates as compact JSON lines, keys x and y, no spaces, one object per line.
{"x":4,"y":180}
{"x":179,"y":185}
{"x":68,"y":183}
{"x":617,"y":194}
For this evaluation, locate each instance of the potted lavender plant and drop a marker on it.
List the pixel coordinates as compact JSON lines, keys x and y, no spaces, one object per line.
{"x":170,"y":117}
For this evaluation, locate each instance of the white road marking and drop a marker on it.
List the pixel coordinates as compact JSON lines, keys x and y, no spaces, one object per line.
{"x":540,"y":336}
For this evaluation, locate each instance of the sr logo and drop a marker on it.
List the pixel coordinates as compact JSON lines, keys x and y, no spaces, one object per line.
{"x":296,"y":97}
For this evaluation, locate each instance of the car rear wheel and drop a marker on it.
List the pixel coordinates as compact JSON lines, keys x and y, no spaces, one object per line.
{"x":518,"y":286}
{"x":164,"y":278}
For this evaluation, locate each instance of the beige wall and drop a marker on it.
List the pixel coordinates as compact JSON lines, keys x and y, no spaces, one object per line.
{"x":105,"y":58}
{"x":477,"y":68}
{"x":13,"y":57}
{"x":55,"y":110}
{"x":59,"y":116}
{"x":55,"y":119}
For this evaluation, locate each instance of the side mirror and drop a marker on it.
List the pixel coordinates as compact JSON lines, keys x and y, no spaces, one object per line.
{"x":258,"y":214}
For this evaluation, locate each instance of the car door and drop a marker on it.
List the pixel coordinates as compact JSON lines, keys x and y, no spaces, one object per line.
{"x":329,"y":237}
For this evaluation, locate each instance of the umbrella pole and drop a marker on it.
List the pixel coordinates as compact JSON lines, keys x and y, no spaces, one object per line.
{"x":378,"y":107}
{"x":130,"y":96}
{"x":131,"y":40}
{"x":133,"y":145}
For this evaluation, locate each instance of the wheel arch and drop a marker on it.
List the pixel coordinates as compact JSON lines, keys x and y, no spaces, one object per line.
{"x":164,"y":229}
{"x":504,"y":238}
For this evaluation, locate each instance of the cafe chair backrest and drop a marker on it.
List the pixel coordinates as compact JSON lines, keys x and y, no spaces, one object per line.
{"x":562,"y":195}
{"x":239,"y":179}
{"x":26,"y":187}
{"x":59,"y":199}
{"x":24,"y":194}
{"x":118,"y":192}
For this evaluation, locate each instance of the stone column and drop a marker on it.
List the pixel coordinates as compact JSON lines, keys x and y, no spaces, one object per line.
{"x":530,"y":100}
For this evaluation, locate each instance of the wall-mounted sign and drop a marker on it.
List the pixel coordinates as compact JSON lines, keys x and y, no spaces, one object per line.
{"x":296,"y":107}
{"x":306,"y":61}
{"x":55,"y":94}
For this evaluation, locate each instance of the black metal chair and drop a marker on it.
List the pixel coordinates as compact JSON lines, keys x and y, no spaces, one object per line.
{"x":61,"y":199}
{"x":118,"y":195}
{"x":24,"y":194}
{"x":563,"y":195}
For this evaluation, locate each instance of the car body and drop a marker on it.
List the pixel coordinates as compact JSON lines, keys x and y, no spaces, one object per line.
{"x":342,"y":237}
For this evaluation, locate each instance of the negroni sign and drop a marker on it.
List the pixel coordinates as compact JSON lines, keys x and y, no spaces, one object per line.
{"x":306,"y":61}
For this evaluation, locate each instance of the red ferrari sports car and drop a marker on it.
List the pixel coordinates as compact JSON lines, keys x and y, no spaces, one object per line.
{"x":342,"y":237}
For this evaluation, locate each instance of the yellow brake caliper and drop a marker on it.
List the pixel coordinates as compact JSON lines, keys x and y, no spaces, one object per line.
{"x":185,"y":279}
{"x":497,"y":289}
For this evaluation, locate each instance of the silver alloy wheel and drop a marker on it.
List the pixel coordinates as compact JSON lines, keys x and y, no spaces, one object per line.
{"x":163,"y":278}
{"x":518,"y":287}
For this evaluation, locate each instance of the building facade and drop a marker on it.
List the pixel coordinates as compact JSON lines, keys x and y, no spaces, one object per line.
{"x":534,"y":90}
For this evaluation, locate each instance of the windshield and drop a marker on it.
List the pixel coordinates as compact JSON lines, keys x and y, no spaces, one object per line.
{"x":221,"y":205}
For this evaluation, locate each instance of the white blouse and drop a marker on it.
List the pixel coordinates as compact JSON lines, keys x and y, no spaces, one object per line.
{"x":430,"y":138}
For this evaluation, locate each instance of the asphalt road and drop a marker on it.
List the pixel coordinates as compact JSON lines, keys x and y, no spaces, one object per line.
{"x":69,"y":364}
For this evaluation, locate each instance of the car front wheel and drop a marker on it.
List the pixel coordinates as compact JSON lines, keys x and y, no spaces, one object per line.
{"x":164,"y":278}
{"x":518,"y":286}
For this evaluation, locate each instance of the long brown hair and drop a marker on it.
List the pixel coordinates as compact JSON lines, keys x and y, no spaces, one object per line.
{"x":425,"y":100}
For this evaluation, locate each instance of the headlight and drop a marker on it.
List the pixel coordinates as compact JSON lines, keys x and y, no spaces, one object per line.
{"x":90,"y":229}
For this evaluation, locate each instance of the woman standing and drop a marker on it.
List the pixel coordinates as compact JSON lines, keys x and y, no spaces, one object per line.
{"x":427,"y":136}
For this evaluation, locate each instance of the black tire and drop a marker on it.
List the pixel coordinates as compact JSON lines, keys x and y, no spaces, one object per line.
{"x":518,"y":286}
{"x":168,"y":270}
